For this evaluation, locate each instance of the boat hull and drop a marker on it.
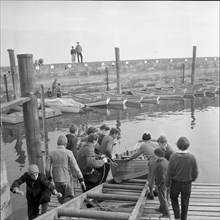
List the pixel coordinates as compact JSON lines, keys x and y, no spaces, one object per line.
{"x":129,"y":169}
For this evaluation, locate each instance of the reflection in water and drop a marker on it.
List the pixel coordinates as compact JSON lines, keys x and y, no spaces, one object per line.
{"x":193,"y":122}
{"x":20,"y":152}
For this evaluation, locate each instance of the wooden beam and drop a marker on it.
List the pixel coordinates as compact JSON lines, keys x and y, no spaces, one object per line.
{"x":103,"y":215}
{"x":15,"y":102}
{"x":138,"y":209}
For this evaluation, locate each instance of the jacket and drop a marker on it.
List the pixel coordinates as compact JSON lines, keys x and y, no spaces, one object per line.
{"x":62,"y":163}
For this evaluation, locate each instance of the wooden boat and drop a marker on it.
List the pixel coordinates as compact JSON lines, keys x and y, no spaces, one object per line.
{"x":65,"y":105}
{"x":91,"y":100}
{"x":211,"y":91}
{"x":146,"y":98}
{"x":125,"y":170}
{"x":18,"y":117}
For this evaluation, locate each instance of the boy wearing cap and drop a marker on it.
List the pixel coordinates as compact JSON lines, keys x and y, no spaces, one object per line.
{"x":181,"y":172}
{"x":147,"y":148}
{"x":61,"y":163}
{"x":160,"y":170}
{"x":38,"y":189}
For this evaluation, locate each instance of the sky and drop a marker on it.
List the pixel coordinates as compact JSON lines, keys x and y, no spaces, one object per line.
{"x":140,"y":29}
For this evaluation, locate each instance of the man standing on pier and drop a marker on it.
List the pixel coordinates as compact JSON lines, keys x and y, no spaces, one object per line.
{"x":79,"y":53}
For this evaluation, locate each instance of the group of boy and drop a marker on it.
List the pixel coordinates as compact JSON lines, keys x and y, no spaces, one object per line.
{"x":170,"y":173}
{"x":74,"y":158}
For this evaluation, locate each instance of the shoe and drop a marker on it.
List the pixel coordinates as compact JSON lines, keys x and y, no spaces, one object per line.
{"x":149,"y":196}
{"x":155,"y":192}
{"x":165,"y":216}
{"x":158,"y":210}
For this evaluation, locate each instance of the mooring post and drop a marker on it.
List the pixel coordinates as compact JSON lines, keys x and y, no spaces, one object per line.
{"x":183,"y":72}
{"x":44,"y":123}
{"x":6,"y":88}
{"x":106,"y":71}
{"x":193,"y":65}
{"x":15,"y":78}
{"x":30,"y":110}
{"x":117,"y":59}
{"x":6,"y":208}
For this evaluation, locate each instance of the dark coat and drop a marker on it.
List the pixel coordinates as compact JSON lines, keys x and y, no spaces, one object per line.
{"x":72,"y":144}
{"x":35,"y":189}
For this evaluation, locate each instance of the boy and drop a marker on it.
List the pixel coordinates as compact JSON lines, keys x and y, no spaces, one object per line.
{"x":38,"y":189}
{"x":161,"y":165}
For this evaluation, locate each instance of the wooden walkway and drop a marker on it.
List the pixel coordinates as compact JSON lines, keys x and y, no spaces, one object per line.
{"x":127,"y":199}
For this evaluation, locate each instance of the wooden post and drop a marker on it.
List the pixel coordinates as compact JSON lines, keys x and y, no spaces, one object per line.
{"x":193,"y":65}
{"x":6,"y":209}
{"x":183,"y":72}
{"x":15,"y":78}
{"x":117,"y":59}
{"x":44,"y":123}
{"x":6,"y":88}
{"x":106,"y":71}
{"x":30,"y":110}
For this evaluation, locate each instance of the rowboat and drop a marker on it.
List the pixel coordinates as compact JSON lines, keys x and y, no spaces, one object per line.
{"x":90,"y":100}
{"x":65,"y":105}
{"x":125,"y":170}
{"x":18,"y":117}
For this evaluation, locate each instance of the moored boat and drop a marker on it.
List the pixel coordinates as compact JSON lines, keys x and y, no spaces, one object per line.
{"x":18,"y":117}
{"x":65,"y":105}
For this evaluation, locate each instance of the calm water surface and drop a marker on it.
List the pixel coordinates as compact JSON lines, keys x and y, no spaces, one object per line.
{"x":197,"y":119}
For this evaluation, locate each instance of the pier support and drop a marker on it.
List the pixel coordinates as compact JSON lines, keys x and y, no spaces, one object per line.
{"x":117,"y":60}
{"x":30,"y":110}
{"x":15,"y":78}
{"x":193,"y":65}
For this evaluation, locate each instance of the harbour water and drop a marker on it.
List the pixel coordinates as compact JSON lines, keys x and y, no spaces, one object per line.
{"x":197,"y":119}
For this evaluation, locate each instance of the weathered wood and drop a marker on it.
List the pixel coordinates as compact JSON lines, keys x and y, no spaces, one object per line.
{"x":15,"y":78}
{"x":94,"y":214}
{"x":138,"y":209}
{"x":112,"y":197}
{"x":6,"y":209}
{"x":8,"y":105}
{"x":121,"y":186}
{"x":30,"y":110}
{"x":44,"y":125}
{"x":117,"y":64}
{"x":6,"y":88}
{"x":193,"y":65}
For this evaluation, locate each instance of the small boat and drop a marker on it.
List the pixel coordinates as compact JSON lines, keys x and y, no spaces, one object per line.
{"x":125,"y":170}
{"x":211,"y":91}
{"x":65,"y":105}
{"x":18,"y":117}
{"x":92,"y":101}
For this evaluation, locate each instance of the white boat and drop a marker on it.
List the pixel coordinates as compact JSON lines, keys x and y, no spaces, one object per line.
{"x":18,"y":117}
{"x":65,"y":105}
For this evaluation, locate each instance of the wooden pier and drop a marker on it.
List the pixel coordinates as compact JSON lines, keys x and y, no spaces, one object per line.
{"x":128,"y":200}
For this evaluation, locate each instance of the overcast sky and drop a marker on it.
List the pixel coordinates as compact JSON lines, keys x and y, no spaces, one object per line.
{"x":141,"y":30}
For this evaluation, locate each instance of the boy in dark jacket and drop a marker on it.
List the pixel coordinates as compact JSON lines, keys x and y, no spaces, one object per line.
{"x":72,"y":140}
{"x":161,"y":165}
{"x":38,"y":190}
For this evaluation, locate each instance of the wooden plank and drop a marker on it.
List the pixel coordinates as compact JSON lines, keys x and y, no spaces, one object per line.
{"x":137,"y":211}
{"x":15,"y":102}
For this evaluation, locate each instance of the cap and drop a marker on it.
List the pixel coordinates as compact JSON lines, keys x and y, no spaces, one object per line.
{"x":104,"y":127}
{"x":33,"y":168}
{"x":61,"y":140}
{"x":146,"y":137}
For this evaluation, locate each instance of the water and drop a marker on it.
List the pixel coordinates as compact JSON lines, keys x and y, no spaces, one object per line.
{"x":196,"y":119}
